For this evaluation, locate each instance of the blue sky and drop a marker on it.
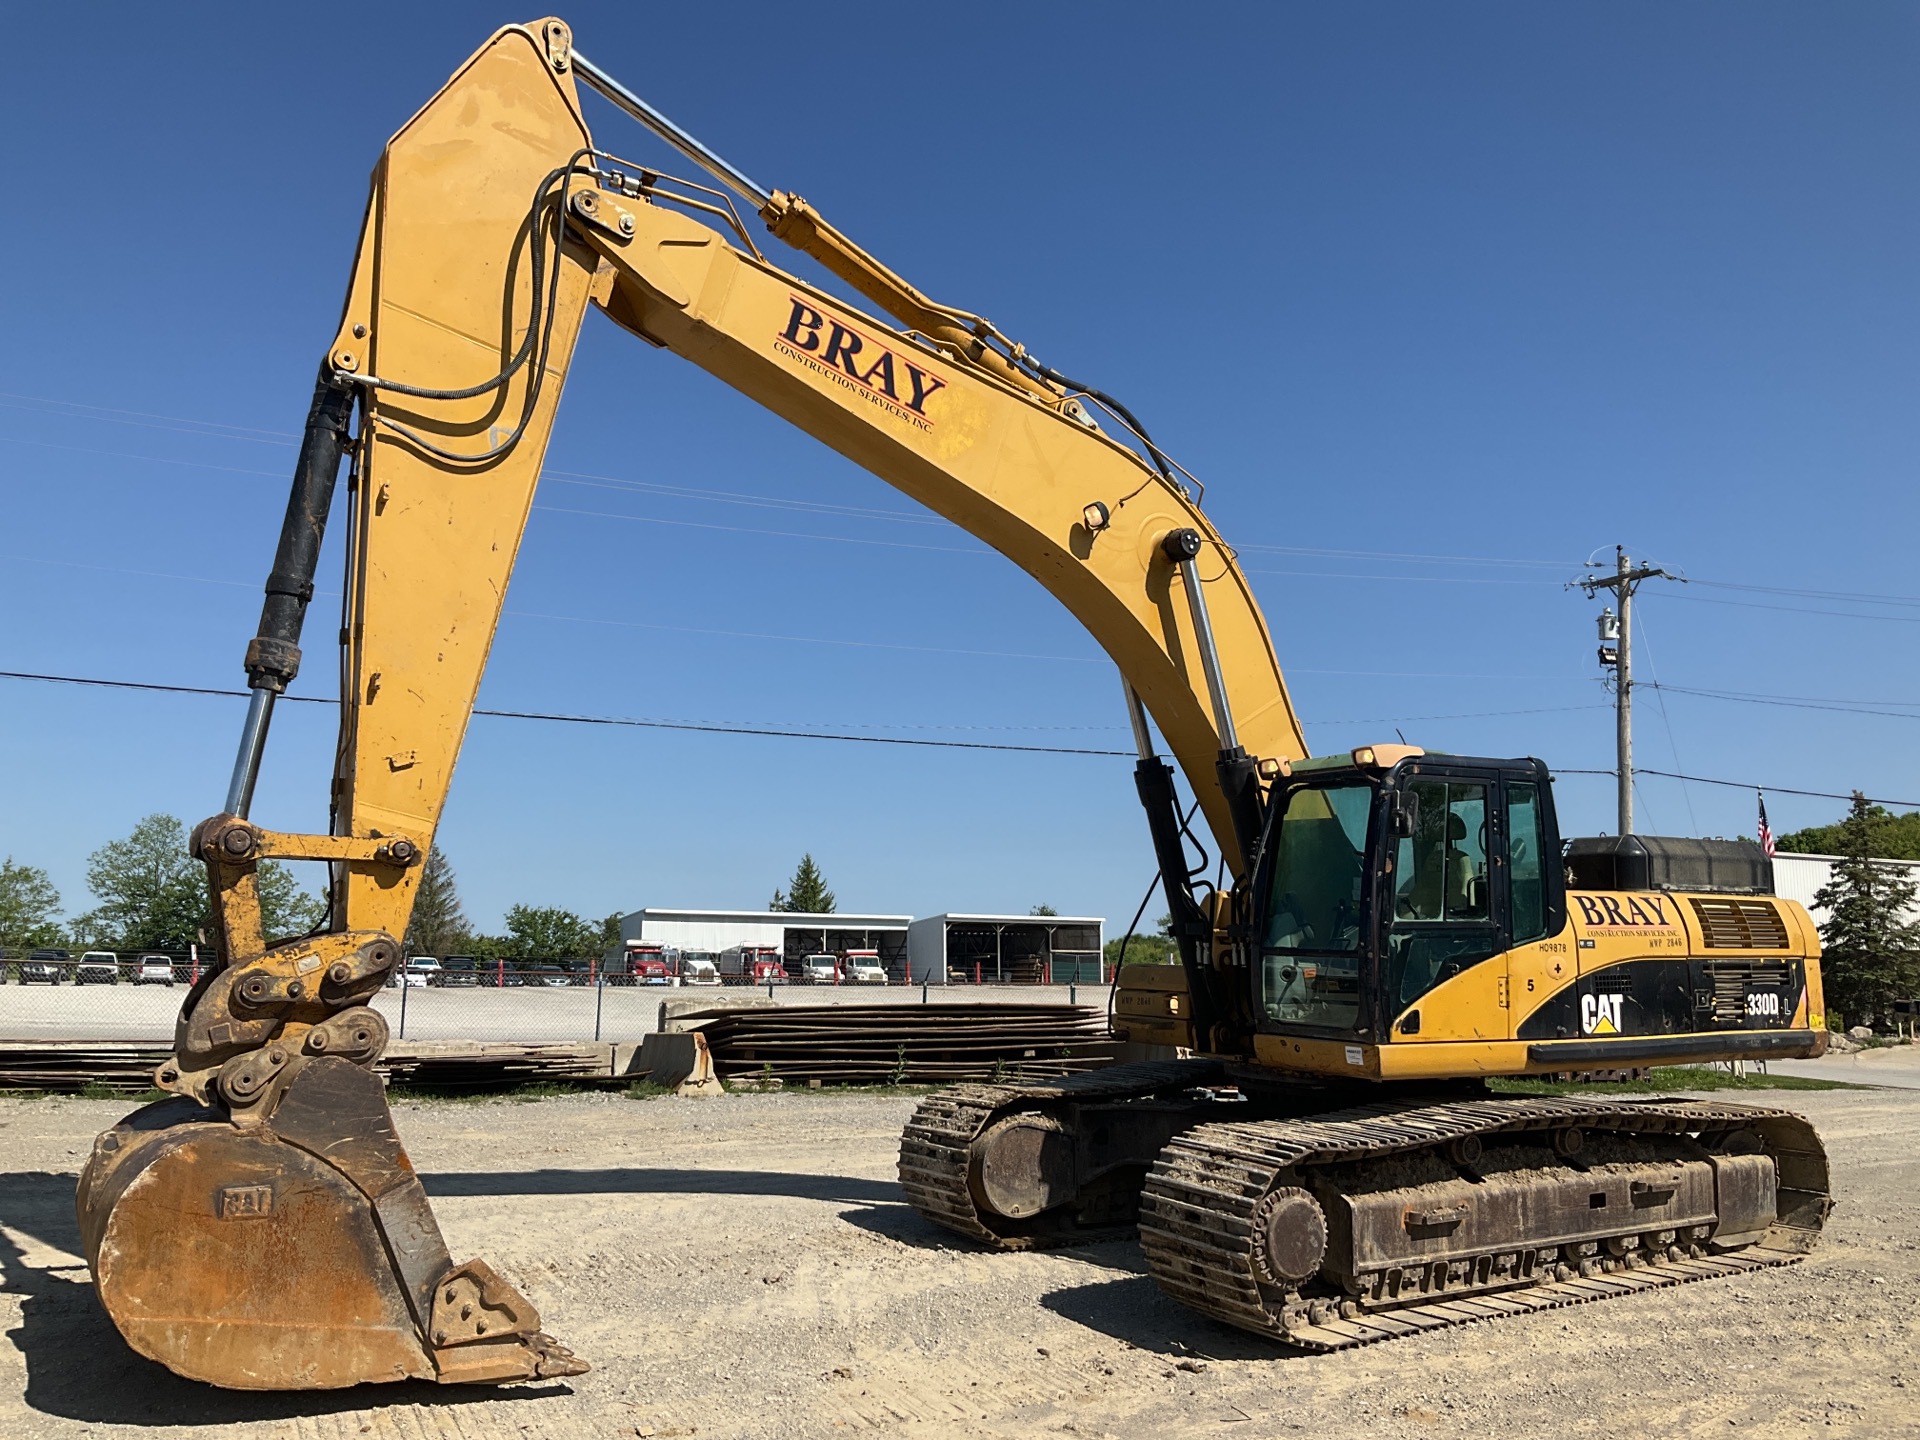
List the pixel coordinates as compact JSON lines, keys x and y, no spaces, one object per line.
{"x":1493,"y":285}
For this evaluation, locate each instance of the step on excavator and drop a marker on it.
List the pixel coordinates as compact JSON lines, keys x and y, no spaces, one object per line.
{"x":1307,"y":1147}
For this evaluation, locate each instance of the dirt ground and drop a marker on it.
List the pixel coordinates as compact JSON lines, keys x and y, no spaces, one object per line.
{"x":745,"y":1266}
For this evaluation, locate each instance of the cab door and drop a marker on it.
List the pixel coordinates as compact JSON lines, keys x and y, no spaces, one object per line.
{"x":1445,"y":904}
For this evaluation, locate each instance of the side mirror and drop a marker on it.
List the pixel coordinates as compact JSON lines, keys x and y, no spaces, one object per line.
{"x":1405,"y":818}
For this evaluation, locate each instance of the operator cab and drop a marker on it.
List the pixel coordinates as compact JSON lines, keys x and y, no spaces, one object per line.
{"x":1389,"y":870}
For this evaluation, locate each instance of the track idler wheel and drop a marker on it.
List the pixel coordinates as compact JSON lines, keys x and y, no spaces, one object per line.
{"x":295,"y":1249}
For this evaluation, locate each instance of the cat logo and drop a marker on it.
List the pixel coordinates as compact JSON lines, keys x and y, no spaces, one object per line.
{"x":1601,"y":1014}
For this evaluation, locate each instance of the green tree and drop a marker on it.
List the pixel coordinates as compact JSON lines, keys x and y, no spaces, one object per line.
{"x":806,"y":893}
{"x":1871,"y":949}
{"x":488,"y":947}
{"x":152,"y":894}
{"x":1155,"y":949}
{"x":1144,"y":950}
{"x":1043,"y":910}
{"x":29,"y":906}
{"x":286,"y":910}
{"x":610,"y":932}
{"x":1889,"y":836}
{"x":439,"y":925}
{"x":546,"y":932}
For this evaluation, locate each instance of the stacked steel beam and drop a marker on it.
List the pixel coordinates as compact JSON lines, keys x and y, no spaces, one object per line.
{"x":905,"y":1044}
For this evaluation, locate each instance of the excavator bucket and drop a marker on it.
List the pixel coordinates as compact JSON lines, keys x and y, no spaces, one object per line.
{"x":296,"y":1250}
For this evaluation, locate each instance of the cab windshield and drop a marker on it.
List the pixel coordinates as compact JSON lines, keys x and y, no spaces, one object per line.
{"x":1310,"y":948}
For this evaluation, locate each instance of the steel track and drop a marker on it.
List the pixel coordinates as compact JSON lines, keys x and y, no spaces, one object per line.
{"x":1198,"y":1202}
{"x":935,"y":1147}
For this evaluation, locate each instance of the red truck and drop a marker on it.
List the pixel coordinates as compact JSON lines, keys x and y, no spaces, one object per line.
{"x":641,"y":962}
{"x":753,"y":965}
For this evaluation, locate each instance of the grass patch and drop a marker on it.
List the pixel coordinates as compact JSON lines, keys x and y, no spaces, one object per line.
{"x":647,"y":1090}
{"x":1665,"y":1080}
{"x":889,"y":1088}
{"x":92,"y":1090}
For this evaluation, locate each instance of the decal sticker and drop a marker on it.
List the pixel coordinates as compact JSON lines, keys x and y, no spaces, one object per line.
{"x":858,"y":363}
{"x":1625,"y":912}
{"x":1354,"y":1055}
{"x":1600,"y":1014}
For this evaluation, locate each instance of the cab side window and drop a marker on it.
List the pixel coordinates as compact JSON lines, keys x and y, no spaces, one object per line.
{"x":1526,"y":874}
{"x":1440,"y":872}
{"x":1442,"y":890}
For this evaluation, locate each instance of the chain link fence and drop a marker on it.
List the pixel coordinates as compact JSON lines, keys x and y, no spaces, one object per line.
{"x":135,"y":998}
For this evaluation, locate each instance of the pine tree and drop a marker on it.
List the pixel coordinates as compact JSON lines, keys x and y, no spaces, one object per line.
{"x":1871,"y":948}
{"x":610,"y":932}
{"x":439,"y":925}
{"x":806,"y":893}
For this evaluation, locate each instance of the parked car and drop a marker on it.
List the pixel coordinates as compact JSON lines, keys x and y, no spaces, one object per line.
{"x":820,"y":970}
{"x":97,"y":967}
{"x":697,"y":970}
{"x":45,"y":966}
{"x":9,"y":957}
{"x":422,"y":970}
{"x":459,"y":970}
{"x":154,"y":970}
{"x":862,"y":967}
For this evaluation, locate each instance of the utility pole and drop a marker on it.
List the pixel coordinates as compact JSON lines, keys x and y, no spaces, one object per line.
{"x":1616,"y":652}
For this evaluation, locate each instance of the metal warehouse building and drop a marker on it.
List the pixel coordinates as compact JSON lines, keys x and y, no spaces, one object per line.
{"x":794,"y":934}
{"x":1005,"y":949}
{"x":1799,"y":877}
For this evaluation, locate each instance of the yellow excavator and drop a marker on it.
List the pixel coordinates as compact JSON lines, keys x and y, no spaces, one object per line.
{"x":1306,"y":1145}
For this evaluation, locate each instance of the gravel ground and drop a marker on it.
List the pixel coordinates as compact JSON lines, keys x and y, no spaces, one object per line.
{"x":744,"y":1266}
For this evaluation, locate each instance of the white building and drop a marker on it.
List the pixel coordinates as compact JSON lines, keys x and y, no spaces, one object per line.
{"x":1008,"y":949}
{"x":794,"y":934}
{"x":1798,"y":877}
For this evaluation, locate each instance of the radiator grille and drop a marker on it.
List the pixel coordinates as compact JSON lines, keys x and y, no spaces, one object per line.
{"x":1740,"y":924}
{"x":1734,"y":980}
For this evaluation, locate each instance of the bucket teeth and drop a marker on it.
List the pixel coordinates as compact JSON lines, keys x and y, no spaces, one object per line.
{"x":513,"y":1357}
{"x":485,"y":1330}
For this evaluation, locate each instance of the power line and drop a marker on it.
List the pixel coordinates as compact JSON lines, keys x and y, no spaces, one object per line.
{"x":634,"y":723}
{"x":1782,"y":702}
{"x":76,"y":410}
{"x":1739,"y":785}
{"x":792,"y":734}
{"x":1859,"y":596}
{"x":1792,"y":609}
{"x":872,"y":513}
{"x":785,"y":534}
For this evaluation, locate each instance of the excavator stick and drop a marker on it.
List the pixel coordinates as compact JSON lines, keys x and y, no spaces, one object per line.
{"x":262,"y":1228}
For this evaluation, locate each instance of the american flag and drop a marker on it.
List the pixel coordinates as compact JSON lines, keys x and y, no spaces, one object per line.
{"x":1766,"y":830}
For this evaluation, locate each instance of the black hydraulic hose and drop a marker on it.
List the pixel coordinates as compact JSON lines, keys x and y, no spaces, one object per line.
{"x":539,"y":334}
{"x":273,"y":656}
{"x":1047,"y":372}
